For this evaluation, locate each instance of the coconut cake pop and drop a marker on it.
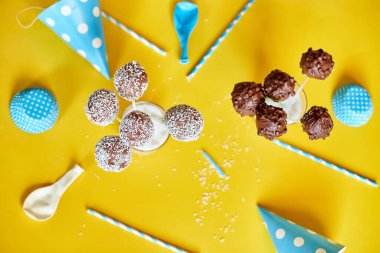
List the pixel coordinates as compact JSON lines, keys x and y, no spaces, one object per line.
{"x":131,"y":81}
{"x":145,"y":126}
{"x":184,"y":123}
{"x":137,"y":128}
{"x":102,"y":107}
{"x":113,"y":154}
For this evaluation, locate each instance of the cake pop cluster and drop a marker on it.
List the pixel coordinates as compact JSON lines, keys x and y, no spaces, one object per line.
{"x":268,"y":102}
{"x":137,"y":128}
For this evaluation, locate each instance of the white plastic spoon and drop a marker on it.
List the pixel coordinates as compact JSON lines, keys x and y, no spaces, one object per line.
{"x":42,"y":203}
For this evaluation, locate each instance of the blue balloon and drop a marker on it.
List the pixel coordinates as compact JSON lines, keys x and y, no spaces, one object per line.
{"x":185,"y":19}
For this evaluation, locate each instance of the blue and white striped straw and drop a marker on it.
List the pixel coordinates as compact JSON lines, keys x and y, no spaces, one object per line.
{"x":219,"y":40}
{"x":326,"y":163}
{"x":134,"y":34}
{"x":135,"y":231}
{"x":214,"y":164}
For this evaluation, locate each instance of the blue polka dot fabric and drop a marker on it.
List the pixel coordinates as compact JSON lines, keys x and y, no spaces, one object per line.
{"x":34,"y":110}
{"x":352,"y":105}
{"x":289,"y":237}
{"x":79,"y":24}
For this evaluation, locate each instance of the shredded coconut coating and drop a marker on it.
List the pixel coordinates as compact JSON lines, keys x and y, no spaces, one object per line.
{"x":137,"y":128}
{"x":102,"y":107}
{"x":131,"y":81}
{"x":113,"y":154}
{"x":184,"y":123}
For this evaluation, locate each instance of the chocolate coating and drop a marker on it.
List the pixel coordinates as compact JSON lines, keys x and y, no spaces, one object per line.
{"x":131,"y":81}
{"x":270,"y":121}
{"x":278,"y":85}
{"x":246,"y":97}
{"x":113,"y":154}
{"x":317,"y":64}
{"x":136,"y":128}
{"x":317,"y":123}
{"x":184,"y":123}
{"x":102,"y":107}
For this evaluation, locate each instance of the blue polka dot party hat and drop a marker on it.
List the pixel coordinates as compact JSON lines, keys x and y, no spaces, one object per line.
{"x":352,"y":105}
{"x":289,"y":237}
{"x":34,"y":110}
{"x":79,"y":24}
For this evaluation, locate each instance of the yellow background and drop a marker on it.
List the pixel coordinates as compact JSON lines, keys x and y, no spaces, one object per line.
{"x":159,"y":192}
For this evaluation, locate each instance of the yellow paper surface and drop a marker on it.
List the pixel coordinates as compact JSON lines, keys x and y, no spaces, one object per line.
{"x":162,"y":193}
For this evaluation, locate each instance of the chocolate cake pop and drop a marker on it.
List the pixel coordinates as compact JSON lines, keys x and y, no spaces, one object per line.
{"x":317,"y":64}
{"x":137,"y":128}
{"x":317,"y":123}
{"x":184,"y":123}
{"x":270,"y":121}
{"x":279,"y":86}
{"x":102,"y":107}
{"x":113,"y":154}
{"x":246,"y":97}
{"x":131,"y":81}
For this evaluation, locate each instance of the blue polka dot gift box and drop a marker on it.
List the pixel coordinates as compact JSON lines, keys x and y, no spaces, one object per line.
{"x":34,"y":110}
{"x":352,"y":105}
{"x":289,"y":237}
{"x":79,"y":24}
